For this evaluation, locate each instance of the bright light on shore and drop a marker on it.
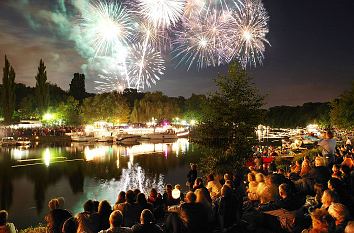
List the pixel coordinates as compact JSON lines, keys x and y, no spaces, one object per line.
{"x":48,"y":117}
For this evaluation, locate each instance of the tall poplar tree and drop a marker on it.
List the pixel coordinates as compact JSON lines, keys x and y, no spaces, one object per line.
{"x":8,"y":91}
{"x":42,"y":93}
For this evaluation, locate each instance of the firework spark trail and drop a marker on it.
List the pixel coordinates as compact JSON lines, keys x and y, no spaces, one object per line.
{"x":252,"y":24}
{"x":201,"y":32}
{"x":161,"y":13}
{"x":203,"y":39}
{"x":153,"y":65}
{"x":106,"y":26}
{"x":109,"y":82}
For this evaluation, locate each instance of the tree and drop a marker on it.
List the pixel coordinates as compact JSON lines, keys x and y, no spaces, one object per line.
{"x":42,"y":91}
{"x":132,"y":95}
{"x":69,"y":112}
{"x":27,"y":109}
{"x":110,"y":107}
{"x":230,"y":115}
{"x":8,"y":92}
{"x":194,"y":107}
{"x":342,"y":112}
{"x":155,"y":105}
{"x":56,"y":95}
{"x":298,"y":116}
{"x":77,"y":87}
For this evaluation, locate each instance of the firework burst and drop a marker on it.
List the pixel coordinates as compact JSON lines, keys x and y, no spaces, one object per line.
{"x":145,"y":65}
{"x":203,"y":39}
{"x":106,"y":27}
{"x":161,"y":13}
{"x":252,"y":25}
{"x":109,"y":81}
{"x":127,"y":42}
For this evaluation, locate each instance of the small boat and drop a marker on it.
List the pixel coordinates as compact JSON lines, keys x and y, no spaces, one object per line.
{"x":168,"y":134}
{"x":105,"y":139}
{"x":8,"y":141}
{"x":127,"y":138}
{"x":82,"y":138}
{"x":23,"y":141}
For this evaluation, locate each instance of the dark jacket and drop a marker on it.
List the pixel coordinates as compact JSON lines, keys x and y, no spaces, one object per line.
{"x":146,"y":228}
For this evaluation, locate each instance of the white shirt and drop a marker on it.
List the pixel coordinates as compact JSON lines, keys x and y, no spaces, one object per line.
{"x":328,"y":146}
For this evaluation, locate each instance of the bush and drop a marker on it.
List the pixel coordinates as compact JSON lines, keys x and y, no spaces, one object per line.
{"x":39,"y":229}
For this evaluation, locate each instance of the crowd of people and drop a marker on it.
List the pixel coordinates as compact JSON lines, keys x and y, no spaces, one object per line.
{"x":315,"y":196}
{"x":38,"y":131}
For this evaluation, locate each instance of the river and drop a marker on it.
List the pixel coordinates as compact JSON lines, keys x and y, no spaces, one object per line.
{"x":30,"y":177}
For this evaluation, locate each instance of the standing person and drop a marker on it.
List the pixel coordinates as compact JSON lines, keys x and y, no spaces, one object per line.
{"x":192,"y":175}
{"x":5,"y":226}
{"x":328,"y":145}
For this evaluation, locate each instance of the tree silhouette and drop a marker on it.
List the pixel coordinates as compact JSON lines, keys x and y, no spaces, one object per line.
{"x":77,"y":87}
{"x":42,"y":93}
{"x":8,"y":91}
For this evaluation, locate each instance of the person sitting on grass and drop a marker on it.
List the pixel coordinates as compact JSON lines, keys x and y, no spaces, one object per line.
{"x":115,"y":221}
{"x":322,"y":222}
{"x":6,"y":227}
{"x":146,"y":224}
{"x":340,"y":214}
{"x":129,"y":209}
{"x":56,"y":216}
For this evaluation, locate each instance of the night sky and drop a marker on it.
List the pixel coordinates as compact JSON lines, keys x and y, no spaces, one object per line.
{"x":311,"y":57}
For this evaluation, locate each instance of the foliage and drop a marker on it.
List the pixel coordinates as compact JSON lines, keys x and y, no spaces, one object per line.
{"x":299,"y":116}
{"x":154,"y":105}
{"x":42,"y":90}
{"x":38,"y":229}
{"x":132,"y":95}
{"x":56,"y":95}
{"x":27,"y":108}
{"x":111,"y":107}
{"x":342,"y":112}
{"x":69,"y":112}
{"x":231,"y":115}
{"x":8,"y":92}
{"x":194,"y":107}
{"x":77,"y":87}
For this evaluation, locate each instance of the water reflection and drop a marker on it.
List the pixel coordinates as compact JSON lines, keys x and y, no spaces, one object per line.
{"x":82,"y":171}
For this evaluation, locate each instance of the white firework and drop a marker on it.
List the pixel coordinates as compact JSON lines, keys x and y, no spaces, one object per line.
{"x":146,"y":65}
{"x":109,"y":81}
{"x":106,"y":26}
{"x":251,"y":22}
{"x":161,"y":13}
{"x":204,"y":39}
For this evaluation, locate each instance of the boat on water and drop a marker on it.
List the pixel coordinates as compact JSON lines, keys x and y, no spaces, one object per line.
{"x":105,"y":138}
{"x":81,"y":138}
{"x":8,"y":141}
{"x":23,"y":141}
{"x":127,"y":138}
{"x":168,"y":134}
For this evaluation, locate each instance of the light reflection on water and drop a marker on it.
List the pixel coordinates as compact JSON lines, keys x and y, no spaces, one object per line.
{"x":30,"y":177}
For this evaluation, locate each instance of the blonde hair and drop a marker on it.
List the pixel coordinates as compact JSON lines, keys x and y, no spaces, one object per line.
{"x":319,"y":161}
{"x":350,"y":227}
{"x":201,"y":197}
{"x":338,"y":211}
{"x":53,"y":204}
{"x":251,"y":177}
{"x":259,"y":177}
{"x":328,"y":197}
{"x":305,"y":163}
{"x":321,"y":220}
